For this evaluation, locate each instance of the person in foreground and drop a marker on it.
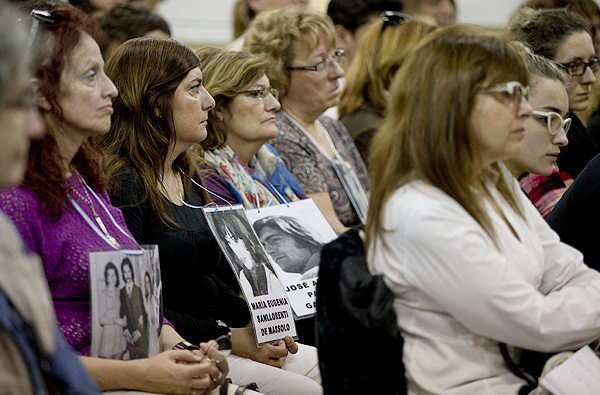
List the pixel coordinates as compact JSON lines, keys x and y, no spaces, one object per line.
{"x":470,"y":261}
{"x":75,"y":97}
{"x":161,"y":112}
{"x":28,"y":330}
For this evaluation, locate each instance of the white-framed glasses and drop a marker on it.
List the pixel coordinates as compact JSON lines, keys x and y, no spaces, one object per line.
{"x":553,"y":120}
{"x":512,"y":90}
{"x":261,"y":92}
{"x":337,"y":56}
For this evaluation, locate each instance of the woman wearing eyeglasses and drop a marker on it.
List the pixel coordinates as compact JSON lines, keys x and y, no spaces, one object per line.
{"x":161,"y":112}
{"x":303,"y":66}
{"x":64,"y":188}
{"x":381,"y":52}
{"x":239,"y":127}
{"x":470,"y":261}
{"x":565,"y":38}
{"x":545,"y":131}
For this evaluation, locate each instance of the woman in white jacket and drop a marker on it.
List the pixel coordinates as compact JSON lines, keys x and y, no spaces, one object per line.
{"x":469,"y":259}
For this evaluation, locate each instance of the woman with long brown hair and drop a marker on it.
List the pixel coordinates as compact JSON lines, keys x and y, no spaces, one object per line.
{"x":161,"y":112}
{"x":470,"y":261}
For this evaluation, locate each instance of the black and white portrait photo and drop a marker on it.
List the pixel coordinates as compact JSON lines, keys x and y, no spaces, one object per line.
{"x":243,"y":250}
{"x":126,"y":304}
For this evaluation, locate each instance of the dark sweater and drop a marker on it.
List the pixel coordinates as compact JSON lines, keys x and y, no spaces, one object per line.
{"x":577,"y":214}
{"x":581,"y":149}
{"x":194,"y":297}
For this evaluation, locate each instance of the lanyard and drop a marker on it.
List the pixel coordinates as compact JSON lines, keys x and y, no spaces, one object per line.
{"x":200,"y":185}
{"x":95,"y":227}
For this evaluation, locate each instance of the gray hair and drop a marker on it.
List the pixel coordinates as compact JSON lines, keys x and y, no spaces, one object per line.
{"x":13,"y":37}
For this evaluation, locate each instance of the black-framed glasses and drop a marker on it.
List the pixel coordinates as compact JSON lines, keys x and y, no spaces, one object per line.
{"x":512,"y":90}
{"x":553,"y":120}
{"x":392,"y":18}
{"x":261,"y":92}
{"x":577,"y":68}
{"x":337,"y":56}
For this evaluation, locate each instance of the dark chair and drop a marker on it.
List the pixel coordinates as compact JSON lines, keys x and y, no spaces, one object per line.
{"x":359,"y":343}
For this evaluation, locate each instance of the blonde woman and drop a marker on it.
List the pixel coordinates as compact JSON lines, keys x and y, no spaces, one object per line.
{"x":381,"y":52}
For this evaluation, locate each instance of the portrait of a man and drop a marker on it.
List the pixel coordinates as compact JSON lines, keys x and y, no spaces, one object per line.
{"x":132,"y":310}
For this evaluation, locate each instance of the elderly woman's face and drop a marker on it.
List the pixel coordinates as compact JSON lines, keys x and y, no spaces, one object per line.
{"x":85,"y":92}
{"x":313,"y":92}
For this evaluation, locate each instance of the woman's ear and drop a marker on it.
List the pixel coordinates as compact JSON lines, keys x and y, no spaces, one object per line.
{"x":157,"y":113}
{"x":220,"y":113}
{"x":43,"y":103}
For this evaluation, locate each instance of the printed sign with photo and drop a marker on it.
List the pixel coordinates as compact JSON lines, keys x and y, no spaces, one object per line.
{"x":271,"y":311}
{"x":293,"y":236}
{"x":126,"y":296}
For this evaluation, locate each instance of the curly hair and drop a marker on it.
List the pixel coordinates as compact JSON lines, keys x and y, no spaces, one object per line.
{"x":226,"y":73}
{"x":281,"y":34}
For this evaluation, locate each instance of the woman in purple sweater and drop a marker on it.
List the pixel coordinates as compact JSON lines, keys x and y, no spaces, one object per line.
{"x":63,"y":171}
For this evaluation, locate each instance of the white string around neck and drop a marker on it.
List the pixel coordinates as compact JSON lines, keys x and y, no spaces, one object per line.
{"x":200,"y":185}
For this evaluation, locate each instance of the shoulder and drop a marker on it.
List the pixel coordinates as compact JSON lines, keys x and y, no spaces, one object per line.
{"x":126,"y":188}
{"x":20,"y":203}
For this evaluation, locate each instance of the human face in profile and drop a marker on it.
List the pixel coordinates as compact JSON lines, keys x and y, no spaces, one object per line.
{"x":85,"y":93}
{"x":290,"y":254}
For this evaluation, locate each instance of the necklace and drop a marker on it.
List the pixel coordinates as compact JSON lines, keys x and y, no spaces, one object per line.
{"x":88,"y":200}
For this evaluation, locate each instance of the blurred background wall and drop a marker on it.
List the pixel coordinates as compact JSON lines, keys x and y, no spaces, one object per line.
{"x":209,"y":22}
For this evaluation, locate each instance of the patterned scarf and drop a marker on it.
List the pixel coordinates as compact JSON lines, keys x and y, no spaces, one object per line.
{"x":266,"y":177}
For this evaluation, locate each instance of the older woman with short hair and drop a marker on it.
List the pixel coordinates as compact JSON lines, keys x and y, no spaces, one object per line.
{"x":303,"y":66}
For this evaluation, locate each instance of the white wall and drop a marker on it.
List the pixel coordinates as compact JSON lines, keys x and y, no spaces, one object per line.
{"x":209,"y":22}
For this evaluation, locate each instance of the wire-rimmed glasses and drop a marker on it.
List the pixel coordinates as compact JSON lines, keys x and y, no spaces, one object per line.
{"x":261,"y":92}
{"x":337,"y":56}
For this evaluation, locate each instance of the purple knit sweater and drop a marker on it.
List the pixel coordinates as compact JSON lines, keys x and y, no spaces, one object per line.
{"x":64,"y":247}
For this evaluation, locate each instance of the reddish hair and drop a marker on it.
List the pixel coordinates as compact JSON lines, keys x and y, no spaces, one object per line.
{"x":45,"y":176}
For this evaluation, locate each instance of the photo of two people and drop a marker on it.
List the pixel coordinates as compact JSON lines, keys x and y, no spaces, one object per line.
{"x":126,"y":303}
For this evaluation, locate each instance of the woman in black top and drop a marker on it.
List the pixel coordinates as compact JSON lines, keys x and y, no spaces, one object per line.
{"x":162,"y":110}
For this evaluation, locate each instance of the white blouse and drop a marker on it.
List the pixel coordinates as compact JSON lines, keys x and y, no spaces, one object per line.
{"x":457,"y":295}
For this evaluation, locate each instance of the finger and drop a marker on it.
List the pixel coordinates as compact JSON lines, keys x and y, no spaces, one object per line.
{"x":184,"y":356}
{"x":291,"y":345}
{"x":276,"y":362}
{"x":278,"y":351}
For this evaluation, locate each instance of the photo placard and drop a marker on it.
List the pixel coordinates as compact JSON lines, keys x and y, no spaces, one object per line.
{"x":126,"y":298}
{"x":271,"y":311}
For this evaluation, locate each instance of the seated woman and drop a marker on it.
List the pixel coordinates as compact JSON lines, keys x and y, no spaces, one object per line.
{"x":564,"y":38}
{"x":546,"y":131}
{"x":242,"y":121}
{"x":63,"y":169}
{"x":303,"y":66}
{"x":381,"y":52}
{"x":470,"y":261}
{"x":161,"y":112}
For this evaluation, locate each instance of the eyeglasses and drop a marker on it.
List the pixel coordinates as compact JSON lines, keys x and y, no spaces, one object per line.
{"x":392,"y":18}
{"x":578,"y":67}
{"x":261,"y":92}
{"x":554,"y":121}
{"x":513,"y":90}
{"x":337,"y":56}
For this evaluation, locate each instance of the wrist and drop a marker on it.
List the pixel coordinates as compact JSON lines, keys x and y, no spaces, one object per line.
{"x":185,"y":345}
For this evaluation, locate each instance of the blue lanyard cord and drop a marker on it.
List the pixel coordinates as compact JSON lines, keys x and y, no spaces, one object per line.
{"x":93,"y":225}
{"x":198,"y":184}
{"x":263,"y":178}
